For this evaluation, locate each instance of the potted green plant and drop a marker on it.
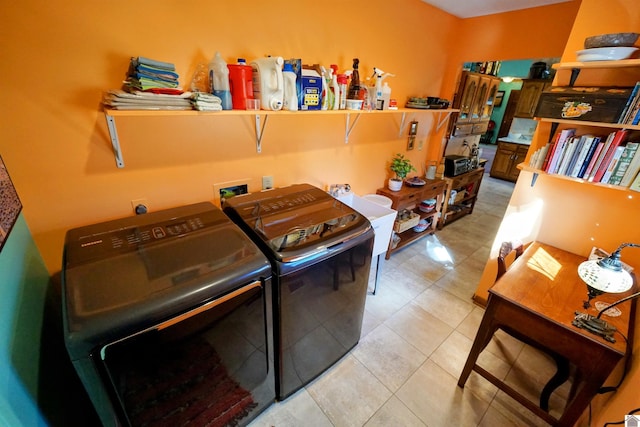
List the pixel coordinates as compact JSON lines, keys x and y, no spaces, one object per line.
{"x":401,"y":167}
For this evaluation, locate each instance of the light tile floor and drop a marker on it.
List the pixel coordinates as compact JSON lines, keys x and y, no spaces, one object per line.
{"x":417,"y":332}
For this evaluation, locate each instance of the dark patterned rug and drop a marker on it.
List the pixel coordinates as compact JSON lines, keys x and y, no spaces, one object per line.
{"x":187,"y":385}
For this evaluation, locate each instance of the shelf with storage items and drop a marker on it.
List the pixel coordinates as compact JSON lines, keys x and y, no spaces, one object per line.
{"x":461,"y":203}
{"x":261,"y":117}
{"x":575,"y":68}
{"x":508,"y":156}
{"x":409,"y":198}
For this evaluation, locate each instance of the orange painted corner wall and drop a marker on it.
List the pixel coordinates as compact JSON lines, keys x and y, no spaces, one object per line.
{"x":577,"y":216}
{"x":58,"y":59}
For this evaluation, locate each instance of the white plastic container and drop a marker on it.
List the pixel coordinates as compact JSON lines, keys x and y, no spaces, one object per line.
{"x":268,"y":83}
{"x":386,"y":96}
{"x":290,"y":101}
{"x":219,"y":79}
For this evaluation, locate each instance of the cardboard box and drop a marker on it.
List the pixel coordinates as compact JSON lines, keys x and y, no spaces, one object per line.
{"x":593,"y":104}
{"x":311,"y":90}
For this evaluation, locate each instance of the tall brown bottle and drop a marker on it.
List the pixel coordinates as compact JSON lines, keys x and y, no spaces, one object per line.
{"x":354,"y":84}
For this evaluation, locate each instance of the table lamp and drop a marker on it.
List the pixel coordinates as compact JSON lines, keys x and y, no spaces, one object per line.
{"x":604,"y":275}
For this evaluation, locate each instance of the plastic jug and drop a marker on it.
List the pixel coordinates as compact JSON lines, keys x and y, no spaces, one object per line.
{"x":219,"y":78}
{"x":268,"y":84}
{"x":240,"y":83}
{"x":290,"y":93}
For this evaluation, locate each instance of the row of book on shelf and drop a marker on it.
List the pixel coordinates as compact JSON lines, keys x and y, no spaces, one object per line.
{"x":631,"y":113}
{"x":613,"y":159}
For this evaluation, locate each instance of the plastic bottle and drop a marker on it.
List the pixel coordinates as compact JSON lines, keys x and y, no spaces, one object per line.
{"x":219,"y":78}
{"x":342,"y":85}
{"x":386,"y":95}
{"x":290,"y":93}
{"x":325,"y":89}
{"x":240,"y":83}
{"x":354,"y":84}
{"x":268,"y":84}
{"x":336,"y":90}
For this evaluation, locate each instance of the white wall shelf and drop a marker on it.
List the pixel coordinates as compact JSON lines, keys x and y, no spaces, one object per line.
{"x":260,"y":120}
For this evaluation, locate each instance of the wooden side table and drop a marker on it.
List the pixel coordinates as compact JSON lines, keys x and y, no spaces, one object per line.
{"x":538,"y":297}
{"x":466,"y":186}
{"x":410,"y":198}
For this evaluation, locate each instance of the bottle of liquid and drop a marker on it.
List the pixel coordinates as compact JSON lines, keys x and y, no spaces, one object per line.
{"x":386,"y":95}
{"x":336,"y":88}
{"x":290,"y":93}
{"x":268,"y":84}
{"x":240,"y":83}
{"x":342,"y":86}
{"x":219,"y":78}
{"x":354,"y":84}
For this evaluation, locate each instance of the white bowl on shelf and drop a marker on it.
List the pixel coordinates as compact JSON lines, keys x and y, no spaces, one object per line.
{"x":605,"y":53}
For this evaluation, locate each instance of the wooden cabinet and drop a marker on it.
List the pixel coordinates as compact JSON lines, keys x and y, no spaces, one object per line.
{"x":507,"y":158}
{"x":410,"y":198}
{"x":529,"y":96}
{"x":474,"y":97}
{"x":461,"y":195}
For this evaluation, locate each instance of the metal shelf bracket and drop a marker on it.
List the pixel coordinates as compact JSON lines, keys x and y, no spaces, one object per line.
{"x":260,"y":131}
{"x":348,"y":129}
{"x":534,"y":178}
{"x":115,"y":142}
{"x":442,"y":120}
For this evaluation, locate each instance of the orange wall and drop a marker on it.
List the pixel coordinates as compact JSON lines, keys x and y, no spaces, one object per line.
{"x":57,"y":59}
{"x":575,"y":216}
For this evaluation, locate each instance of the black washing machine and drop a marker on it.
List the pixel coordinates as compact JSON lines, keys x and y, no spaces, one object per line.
{"x":320,"y":251}
{"x":167,"y":319}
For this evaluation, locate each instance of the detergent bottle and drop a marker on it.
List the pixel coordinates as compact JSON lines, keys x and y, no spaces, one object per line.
{"x":240,"y":83}
{"x":268,"y":83}
{"x":290,"y":92}
{"x":219,"y":78}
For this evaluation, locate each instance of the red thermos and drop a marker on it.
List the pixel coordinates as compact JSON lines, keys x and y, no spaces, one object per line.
{"x":240,"y":83}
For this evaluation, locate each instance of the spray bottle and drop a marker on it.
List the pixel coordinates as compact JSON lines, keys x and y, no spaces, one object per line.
{"x":382,"y":102}
{"x":219,"y":78}
{"x":335,"y":87}
{"x":342,"y":87}
{"x":326,"y":102}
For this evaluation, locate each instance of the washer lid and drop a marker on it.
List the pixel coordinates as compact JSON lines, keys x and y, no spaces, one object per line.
{"x":296,"y":220}
{"x":138,"y":270}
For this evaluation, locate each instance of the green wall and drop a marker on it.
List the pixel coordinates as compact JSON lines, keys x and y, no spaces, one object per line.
{"x":23,"y":285}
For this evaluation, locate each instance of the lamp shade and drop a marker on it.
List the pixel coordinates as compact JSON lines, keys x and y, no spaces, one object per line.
{"x":604,"y":279}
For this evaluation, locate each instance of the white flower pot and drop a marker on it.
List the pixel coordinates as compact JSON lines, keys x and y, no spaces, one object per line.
{"x":395,"y":184}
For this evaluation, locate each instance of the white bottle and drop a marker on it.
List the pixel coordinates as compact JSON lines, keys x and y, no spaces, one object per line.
{"x":386,"y":95}
{"x":268,"y":84}
{"x":290,"y":93}
{"x":336,"y":91}
{"x":219,"y":80}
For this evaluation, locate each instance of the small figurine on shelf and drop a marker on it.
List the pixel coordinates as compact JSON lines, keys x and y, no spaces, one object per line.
{"x":401,"y":166}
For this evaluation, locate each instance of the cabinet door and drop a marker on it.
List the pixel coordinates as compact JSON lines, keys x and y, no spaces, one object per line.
{"x":529,"y":96}
{"x":517,"y":158}
{"x":502,"y":161}
{"x":468,"y":95}
{"x":487,"y":107}
{"x":479,"y":101}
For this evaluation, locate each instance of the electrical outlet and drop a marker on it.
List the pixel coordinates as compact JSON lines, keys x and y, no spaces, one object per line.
{"x":267,"y":182}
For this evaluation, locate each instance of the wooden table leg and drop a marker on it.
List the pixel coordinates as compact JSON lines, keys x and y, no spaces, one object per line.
{"x":483,"y":337}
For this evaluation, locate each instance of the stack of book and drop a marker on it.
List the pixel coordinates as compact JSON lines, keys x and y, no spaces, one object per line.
{"x":146,"y":74}
{"x":611,"y":159}
{"x":631,"y":113}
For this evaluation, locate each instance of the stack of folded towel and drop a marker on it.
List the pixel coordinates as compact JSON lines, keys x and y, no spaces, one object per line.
{"x":138,"y":100}
{"x":206,"y":102}
{"x":146,"y":74}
